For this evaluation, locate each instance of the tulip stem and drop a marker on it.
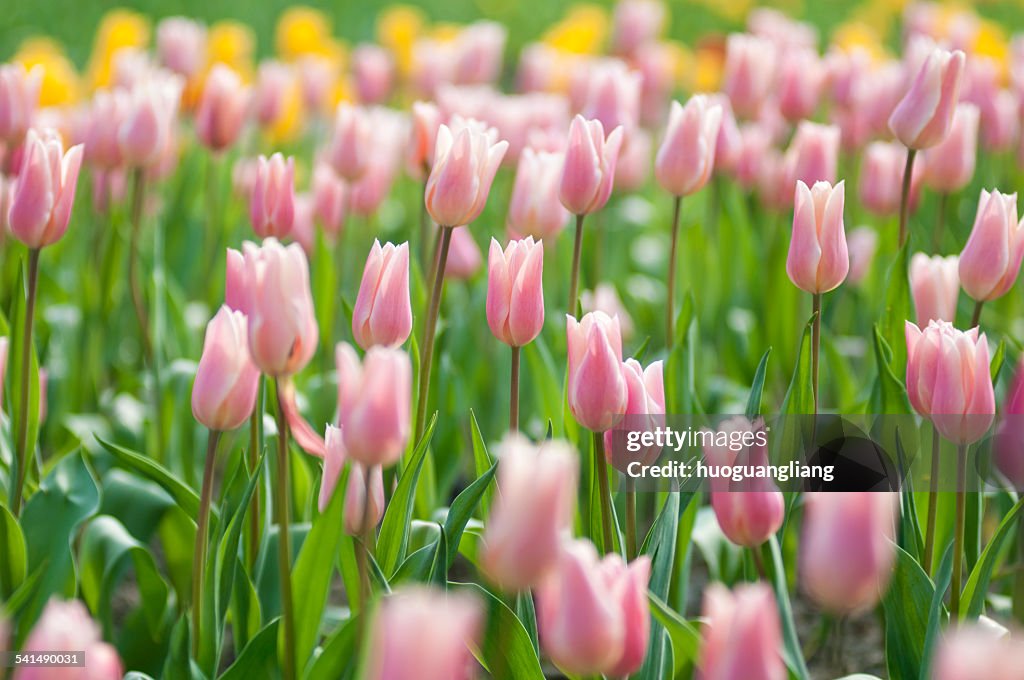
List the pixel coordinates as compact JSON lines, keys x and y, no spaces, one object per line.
{"x":283,"y":540}
{"x":815,"y":347}
{"x":601,"y":468}
{"x":958,"y":538}
{"x":908,"y":173}
{"x":368,"y":547}
{"x":574,"y":276}
{"x":25,"y":354}
{"x":670,"y":294}
{"x":976,"y":316}
{"x":513,"y":408}
{"x":202,"y":531}
{"x":940,"y":221}
{"x":255,"y":450}
{"x":933,"y":504}
{"x":430,"y":328}
{"x":755,"y":552}
{"x":631,"y":528}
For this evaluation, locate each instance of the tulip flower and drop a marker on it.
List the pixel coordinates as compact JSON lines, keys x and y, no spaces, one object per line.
{"x":532,"y":514}
{"x":742,"y":637}
{"x":880,"y":173}
{"x":753,"y":144}
{"x":535,"y":209}
{"x":422,"y":634}
{"x":181,"y":45}
{"x":479,"y":48}
{"x":464,"y":257}
{"x":847,"y":548}
{"x":356,"y":504}
{"x":330,"y":200}
{"x":636,"y":23}
{"x":949,"y":166}
{"x":351,"y":144}
{"x":991,"y":260}
{"x":935,"y":287}
{"x":40,"y":205}
{"x":801,"y":78}
{"x":592,"y":613}
{"x":222,"y":109}
{"x":749,"y":72}
{"x":750,"y":511}
{"x":270,"y":94}
{"x":19,"y":97}
{"x":106,"y":112}
{"x":224,"y":392}
{"x":151,"y":115}
{"x":382,"y":314}
{"x":981,"y":649}
{"x":373,"y":403}
{"x":604,"y":298}
{"x":426,"y":119}
{"x":813,"y":155}
{"x":862,"y":244}
{"x":1009,"y":443}
{"x":373,"y":72}
{"x":66,"y":627}
{"x":634,"y":163}
{"x":272,"y":203}
{"x":613,"y":97}
{"x":1001,"y":126}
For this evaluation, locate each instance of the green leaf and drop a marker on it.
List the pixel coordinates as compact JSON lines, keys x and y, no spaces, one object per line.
{"x":893,"y":393}
{"x":14,"y":565}
{"x":660,"y":545}
{"x":439,"y":568}
{"x":394,"y":532}
{"x":481,"y":460}
{"x":685,"y":638}
{"x":998,"y":359}
{"x":897,"y":309}
{"x":258,"y":660}
{"x":792,"y":652}
{"x":977,"y":583}
{"x":462,"y":510}
{"x":936,"y":613}
{"x":680,"y":382}
{"x":906,"y":603}
{"x":339,"y":656}
{"x":800,"y":394}
{"x":757,"y":387}
{"x":507,"y":650}
{"x":16,"y":359}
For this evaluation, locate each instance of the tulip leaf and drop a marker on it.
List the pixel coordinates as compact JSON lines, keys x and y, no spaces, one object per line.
{"x":527,"y":614}
{"x":394,"y":532}
{"x":439,"y":567}
{"x":258,"y":659}
{"x":936,"y":613}
{"x":792,"y":652}
{"x":16,"y":359}
{"x":14,"y":565}
{"x":660,"y":545}
{"x":482,"y":462}
{"x":339,"y":657}
{"x":680,"y":381}
{"x":757,"y":387}
{"x":799,"y":397}
{"x":462,"y":510}
{"x":684,"y":636}
{"x":892,"y":392}
{"x":998,"y":359}
{"x":977,"y":583}
{"x":897,"y":309}
{"x":544,"y":376}
{"x":906,"y":604}
{"x":506,"y":650}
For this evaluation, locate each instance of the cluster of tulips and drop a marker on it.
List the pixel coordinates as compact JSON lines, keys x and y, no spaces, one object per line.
{"x":567,"y":577}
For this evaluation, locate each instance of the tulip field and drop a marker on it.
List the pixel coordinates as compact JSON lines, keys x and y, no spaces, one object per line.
{"x":637,"y":340}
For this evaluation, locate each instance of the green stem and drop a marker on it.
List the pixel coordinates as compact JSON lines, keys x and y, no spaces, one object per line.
{"x":976,"y":316}
{"x":202,"y":531}
{"x":631,"y":527}
{"x":138,"y":298}
{"x":601,"y":467}
{"x":255,"y":450}
{"x":933,"y":505}
{"x":429,"y":330}
{"x":940,"y":222}
{"x":670,"y":295}
{"x":958,"y":540}
{"x":815,"y":347}
{"x":574,"y":276}
{"x":908,"y":173}
{"x":283,"y":513}
{"x":513,"y":409}
{"x":25,"y":353}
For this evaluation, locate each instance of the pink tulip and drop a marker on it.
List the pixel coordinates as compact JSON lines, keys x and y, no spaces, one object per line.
{"x":222,"y":109}
{"x":631,"y":589}
{"x":923,"y":117}
{"x":813,"y":155}
{"x":423,"y":634}
{"x":604,"y":298}
{"x":785,"y":33}
{"x":106,"y":112}
{"x":298,"y":427}
{"x":534,"y":209}
{"x":272,"y":203}
{"x":613,"y":96}
{"x":749,"y":71}
{"x":645,"y":409}
{"x":19,"y":98}
{"x":978,"y":651}
{"x":881,"y":177}
{"x":426,"y":119}
{"x":1009,"y":443}
{"x":1000,"y":122}
{"x":753,"y":145}
{"x":515,"y":293}
{"x":66,"y":627}
{"x":351,"y":143}
{"x":948,"y":380}
{"x":382,"y":314}
{"x":282,"y":327}
{"x":935,"y":287}
{"x":224,"y":392}
{"x":658,"y":67}
{"x":330,"y":200}
{"x":847,"y":548}
{"x":304,"y":222}
{"x":4,"y":343}
{"x":334,"y":460}
{"x":150,"y":119}
{"x":374,"y":403}
{"x":589,"y":167}
{"x":465,"y":163}
{"x":949,"y":166}
{"x":273,"y":82}
{"x":368,"y":193}
{"x":479,"y":50}
{"x":532,"y":514}
{"x":862,"y":244}
{"x":634,"y":162}
{"x":317,"y":75}
{"x":801,"y":79}
{"x":687,"y":153}
{"x":818,"y":258}
{"x":40,"y":206}
{"x":598,"y":393}
{"x":727,"y":146}
{"x":355,"y":492}
{"x":181,"y":45}
{"x":742,"y":637}
{"x":464,"y":257}
{"x":373,"y":71}
{"x":636,"y":23}
{"x":991,"y":260}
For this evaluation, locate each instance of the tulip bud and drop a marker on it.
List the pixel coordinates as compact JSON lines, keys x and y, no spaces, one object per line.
{"x":750,"y":511}
{"x":534,"y":209}
{"x":224,"y":392}
{"x":948,"y":380}
{"x":589,"y":167}
{"x":1000,"y":122}
{"x":374,"y":403}
{"x":613,"y":96}
{"x":282,"y":327}
{"x":66,"y":627}
{"x":330,"y":200}
{"x":813,"y":155}
{"x":222,"y":109}
{"x":19,"y":97}
{"x":464,"y":258}
{"x":351,"y":145}
{"x":991,"y":260}
{"x":426,"y":119}
{"x":645,"y":410}
{"x":382,"y":314}
{"x":881,"y":177}
{"x":515,"y":294}
{"x":742,"y":637}
{"x":270,"y":94}
{"x":923,"y":117}
{"x":753,"y":144}
{"x":150,"y":117}
{"x":636,"y":23}
{"x":949,"y":166}
{"x":422,"y":634}
{"x":40,"y":206}
{"x":532,"y":514}
{"x":479,"y":49}
{"x":1009,"y":442}
{"x":935,"y":287}
{"x":597,"y":390}
{"x":631,"y":591}
{"x":604,"y":298}
{"x":983,"y":649}
{"x":634,"y":162}
{"x":272,"y":203}
{"x":687,"y":154}
{"x":801,"y":78}
{"x":304,"y":223}
{"x":181,"y":45}
{"x":818,"y":259}
{"x":107,"y":111}
{"x":373,"y":72}
{"x":749,"y":71}
{"x":465,"y":162}
{"x":355,"y":492}
{"x":862,"y":244}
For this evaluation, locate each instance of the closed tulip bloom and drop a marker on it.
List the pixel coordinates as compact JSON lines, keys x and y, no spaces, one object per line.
{"x":598,"y":394}
{"x":181,"y":45}
{"x":742,"y":637}
{"x":949,"y":166}
{"x":636,"y":23}
{"x":634,"y":162}
{"x":1001,"y":122}
{"x":935,"y":287}
{"x":374,"y":73}
{"x":464,"y":257}
{"x":330,"y":200}
{"x":535,"y":209}
{"x":948,"y":380}
{"x":813,"y":155}
{"x":222,"y":109}
{"x":282,"y":327}
{"x":355,"y":492}
{"x":1009,"y":444}
{"x":606,"y":299}
{"x":589,"y":168}
{"x":613,"y":96}
{"x":465,"y":162}
{"x":923,"y":117}
{"x":881,"y":175}
{"x":847,"y":548}
{"x":515,"y":292}
{"x":801,"y":78}
{"x":272,"y":202}
{"x":479,"y":49}
{"x":753,"y":144}
{"x":382,"y":314}
{"x":423,"y":634}
{"x":40,"y":206}
{"x":107,"y":110}
{"x":750,"y":511}
{"x":374,"y":403}
{"x":645,"y":408}
{"x":981,"y":650}
{"x":19,"y":98}
{"x":224,"y":392}
{"x":533,"y":513}
{"x":150,"y":118}
{"x":66,"y":627}
{"x":687,"y":154}
{"x":749,"y":71}
{"x":426,"y":119}
{"x":351,"y":144}
{"x":862,"y":244}
{"x":991,"y":260}
{"x":818,"y":259}
{"x":274,"y":80}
